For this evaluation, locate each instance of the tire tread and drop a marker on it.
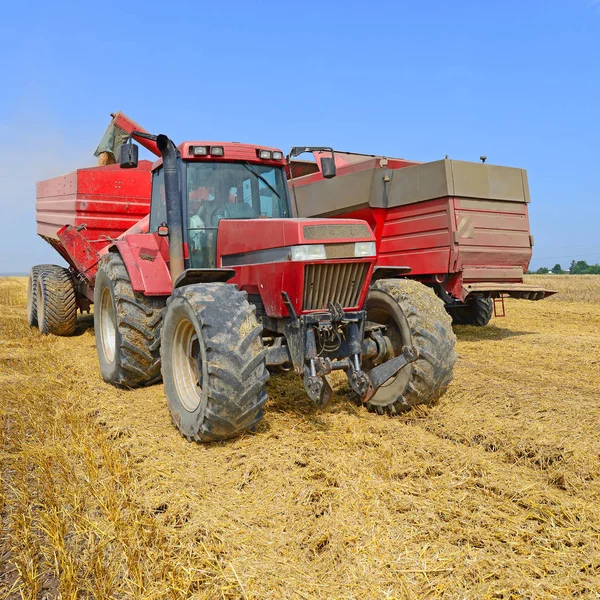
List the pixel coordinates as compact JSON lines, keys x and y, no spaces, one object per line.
{"x":59,"y":298}
{"x":433,"y":338}
{"x":477,"y":312}
{"x":139,"y":321}
{"x":235,"y":355}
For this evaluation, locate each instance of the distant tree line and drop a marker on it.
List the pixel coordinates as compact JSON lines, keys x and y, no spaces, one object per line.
{"x":578,"y":267}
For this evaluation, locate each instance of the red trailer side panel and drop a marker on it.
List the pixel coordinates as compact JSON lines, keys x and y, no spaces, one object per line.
{"x":490,"y":235}
{"x":102,"y":202}
{"x":417,"y":235}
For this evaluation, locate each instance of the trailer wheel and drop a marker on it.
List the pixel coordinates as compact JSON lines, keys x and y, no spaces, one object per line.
{"x":127,"y":326}
{"x":32,"y":318}
{"x":476,"y":311}
{"x":414,"y":316}
{"x":213,"y":362}
{"x":55,"y":300}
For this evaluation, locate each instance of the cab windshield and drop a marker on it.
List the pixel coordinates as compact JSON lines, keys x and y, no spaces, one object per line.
{"x":218,"y":191}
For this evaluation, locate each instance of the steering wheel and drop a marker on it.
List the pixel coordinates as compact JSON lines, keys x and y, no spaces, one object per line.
{"x":220,"y":213}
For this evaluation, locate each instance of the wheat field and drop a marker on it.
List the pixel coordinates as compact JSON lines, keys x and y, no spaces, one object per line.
{"x":493,"y":493}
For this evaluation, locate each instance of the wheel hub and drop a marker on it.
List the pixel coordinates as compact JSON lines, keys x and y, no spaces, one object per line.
{"x":108,"y":326}
{"x":187,"y":365}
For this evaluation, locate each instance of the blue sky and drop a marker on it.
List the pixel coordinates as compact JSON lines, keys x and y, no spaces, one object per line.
{"x":516,"y":81}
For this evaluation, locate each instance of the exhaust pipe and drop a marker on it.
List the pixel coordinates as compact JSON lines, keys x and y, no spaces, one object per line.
{"x":169,"y":154}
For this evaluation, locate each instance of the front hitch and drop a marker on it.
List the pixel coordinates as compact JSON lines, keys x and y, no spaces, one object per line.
{"x":307,"y":339}
{"x":317,"y":387}
{"x":366,"y":384}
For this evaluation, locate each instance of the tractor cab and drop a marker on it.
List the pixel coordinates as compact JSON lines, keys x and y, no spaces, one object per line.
{"x":220,"y":181}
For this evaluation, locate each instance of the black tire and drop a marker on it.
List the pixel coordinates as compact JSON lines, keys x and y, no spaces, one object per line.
{"x":127,"y":326}
{"x":32,"y":319}
{"x":414,"y":316}
{"x":477,"y":311}
{"x":213,"y":362}
{"x":55,"y":300}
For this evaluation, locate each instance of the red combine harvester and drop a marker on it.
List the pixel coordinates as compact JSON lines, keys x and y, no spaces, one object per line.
{"x":216,"y":285}
{"x":460,"y":228}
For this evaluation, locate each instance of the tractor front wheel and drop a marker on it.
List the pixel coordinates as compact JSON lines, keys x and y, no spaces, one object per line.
{"x":127,"y":326}
{"x":413,"y":316}
{"x":213,"y":362}
{"x":476,"y":311}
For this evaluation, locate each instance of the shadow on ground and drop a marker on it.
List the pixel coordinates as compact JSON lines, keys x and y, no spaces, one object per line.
{"x":470,"y":333}
{"x":287,"y":395}
{"x":84,"y":322}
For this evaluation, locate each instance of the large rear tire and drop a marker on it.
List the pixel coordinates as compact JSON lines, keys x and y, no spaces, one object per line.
{"x":413,"y":316}
{"x":127,"y":326}
{"x":55,"y":300}
{"x":213,"y":362}
{"x":476,"y":311}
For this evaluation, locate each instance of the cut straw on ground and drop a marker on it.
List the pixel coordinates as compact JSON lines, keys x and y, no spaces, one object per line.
{"x":493,"y":493}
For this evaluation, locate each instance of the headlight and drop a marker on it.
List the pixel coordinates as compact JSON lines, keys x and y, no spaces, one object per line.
{"x":309,"y":252}
{"x":365,"y":249}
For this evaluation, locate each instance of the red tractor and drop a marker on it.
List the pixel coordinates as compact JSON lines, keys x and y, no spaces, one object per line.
{"x":220,"y":286}
{"x":460,"y":228}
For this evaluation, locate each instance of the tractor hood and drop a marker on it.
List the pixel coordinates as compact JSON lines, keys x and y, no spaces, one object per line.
{"x":249,"y":236}
{"x":312,"y":261}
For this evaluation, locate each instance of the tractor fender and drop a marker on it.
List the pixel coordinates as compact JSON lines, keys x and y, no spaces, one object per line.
{"x":193,"y":276}
{"x":144,"y":259}
{"x":389,"y":272}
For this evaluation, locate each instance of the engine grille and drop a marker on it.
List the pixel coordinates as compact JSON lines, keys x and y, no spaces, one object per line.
{"x":335,"y":231}
{"x":334,"y":282}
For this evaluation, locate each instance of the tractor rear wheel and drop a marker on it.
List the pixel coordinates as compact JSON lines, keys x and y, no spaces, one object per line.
{"x":413,"y":316}
{"x":213,"y":362}
{"x":55,"y":300}
{"x":127,"y":326}
{"x":477,"y":311}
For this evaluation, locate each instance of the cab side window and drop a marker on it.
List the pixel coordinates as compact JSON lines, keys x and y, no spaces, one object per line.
{"x":158,"y":207}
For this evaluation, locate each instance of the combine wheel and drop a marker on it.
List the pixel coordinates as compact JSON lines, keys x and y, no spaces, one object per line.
{"x":55,"y":302}
{"x":477,"y":311}
{"x":414,"y":316}
{"x":213,"y":359}
{"x":127,"y":326}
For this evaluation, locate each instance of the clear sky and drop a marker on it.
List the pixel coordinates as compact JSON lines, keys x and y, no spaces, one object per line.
{"x":518,"y":81}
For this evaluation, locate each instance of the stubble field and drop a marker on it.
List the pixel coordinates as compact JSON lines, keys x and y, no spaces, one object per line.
{"x":493,"y":493}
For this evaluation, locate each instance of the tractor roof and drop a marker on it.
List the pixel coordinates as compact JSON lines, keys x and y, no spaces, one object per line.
{"x":232,"y":151}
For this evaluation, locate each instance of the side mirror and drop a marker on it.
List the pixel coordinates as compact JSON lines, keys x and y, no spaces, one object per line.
{"x":328,"y":167}
{"x":128,"y":158}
